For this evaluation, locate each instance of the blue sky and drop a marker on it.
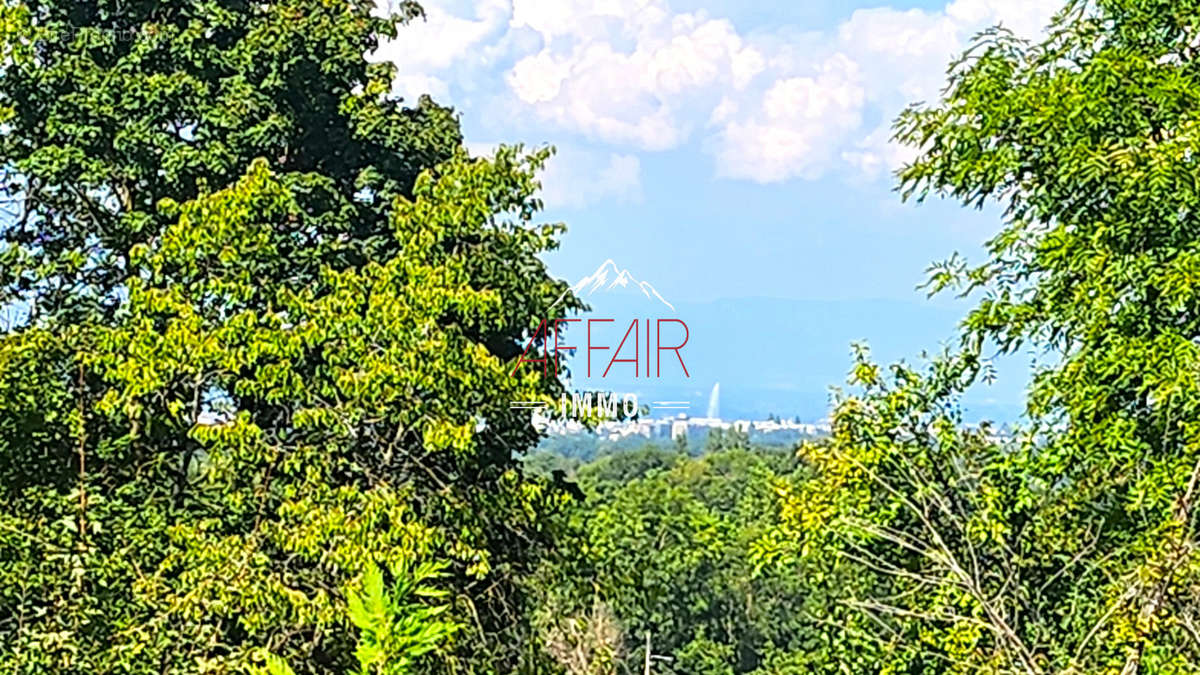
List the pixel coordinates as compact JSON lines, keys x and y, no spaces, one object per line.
{"x":717,"y":149}
{"x":721,"y":149}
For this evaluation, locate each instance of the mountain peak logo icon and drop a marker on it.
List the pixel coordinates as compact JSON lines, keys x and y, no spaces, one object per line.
{"x":609,"y":276}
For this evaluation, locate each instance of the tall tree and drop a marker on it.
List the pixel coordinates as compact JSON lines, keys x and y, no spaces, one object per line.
{"x":269,"y":315}
{"x":110,"y":106}
{"x":1071,"y":548}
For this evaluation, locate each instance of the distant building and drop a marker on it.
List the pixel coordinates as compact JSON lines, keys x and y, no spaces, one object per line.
{"x":663,"y":428}
{"x":679,"y":428}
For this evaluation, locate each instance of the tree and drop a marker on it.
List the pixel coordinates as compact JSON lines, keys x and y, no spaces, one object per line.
{"x":395,"y":629}
{"x":1072,"y":547}
{"x":111,"y":106}
{"x":726,"y":439}
{"x":271,"y":319}
{"x":664,"y":549}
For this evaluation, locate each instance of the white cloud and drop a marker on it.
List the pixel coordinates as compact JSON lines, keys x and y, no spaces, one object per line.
{"x":412,"y":85}
{"x":1024,"y":17}
{"x":724,"y":111}
{"x":576,"y":178}
{"x":874,"y":155}
{"x":797,"y":126}
{"x":769,"y":106}
{"x":636,"y":80}
{"x":427,"y":49}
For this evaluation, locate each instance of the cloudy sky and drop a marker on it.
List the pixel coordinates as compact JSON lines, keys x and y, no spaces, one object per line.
{"x":720,"y":148}
{"x":732,"y":149}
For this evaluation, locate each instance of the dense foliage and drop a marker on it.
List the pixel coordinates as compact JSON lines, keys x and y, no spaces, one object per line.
{"x":256,"y":376}
{"x":662,"y":561}
{"x":268,"y":322}
{"x":1071,"y":547}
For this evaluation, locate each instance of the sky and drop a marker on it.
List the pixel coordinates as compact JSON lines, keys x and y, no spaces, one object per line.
{"x":718,"y":149}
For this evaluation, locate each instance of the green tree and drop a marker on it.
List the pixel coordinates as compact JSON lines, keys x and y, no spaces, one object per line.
{"x":665,"y":544}
{"x":111,"y":106}
{"x":242,"y":382}
{"x":394,"y":630}
{"x":1071,"y":547}
{"x":719,"y":440}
